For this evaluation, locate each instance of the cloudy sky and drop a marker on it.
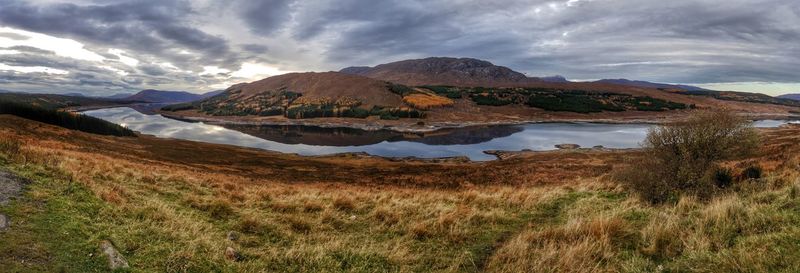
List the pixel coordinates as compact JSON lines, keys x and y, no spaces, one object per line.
{"x":107,"y":47}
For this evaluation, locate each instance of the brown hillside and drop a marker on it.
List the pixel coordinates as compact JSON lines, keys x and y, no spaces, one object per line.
{"x":443,"y":71}
{"x":331,"y":85}
{"x":467,"y":72}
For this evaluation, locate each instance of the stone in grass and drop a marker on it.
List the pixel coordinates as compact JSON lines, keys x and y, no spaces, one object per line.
{"x":115,"y":259}
{"x":232,"y":255}
{"x":4,"y":222}
{"x":233,"y":236}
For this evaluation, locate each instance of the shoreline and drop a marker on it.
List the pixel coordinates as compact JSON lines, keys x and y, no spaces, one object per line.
{"x":427,"y":127}
{"x":436,"y":126}
{"x":408,"y":128}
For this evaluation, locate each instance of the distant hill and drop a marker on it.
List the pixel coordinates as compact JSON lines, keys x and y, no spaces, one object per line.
{"x":159,"y":96}
{"x":311,"y":94}
{"x":119,"y":96}
{"x":745,"y":97}
{"x":53,"y":101}
{"x":556,"y":78}
{"x":645,"y":84}
{"x":442,"y":71}
{"x":790,"y":96}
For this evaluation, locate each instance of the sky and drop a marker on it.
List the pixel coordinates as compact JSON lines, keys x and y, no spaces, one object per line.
{"x":108,"y":47}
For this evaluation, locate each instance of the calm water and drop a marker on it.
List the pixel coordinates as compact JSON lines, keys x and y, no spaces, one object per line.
{"x":307,"y":140}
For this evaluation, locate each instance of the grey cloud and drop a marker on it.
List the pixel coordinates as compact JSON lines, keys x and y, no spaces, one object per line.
{"x":153,"y":70}
{"x":13,"y":36}
{"x":254,"y":48}
{"x":148,"y":27}
{"x":689,"y":41}
{"x":264,"y":17}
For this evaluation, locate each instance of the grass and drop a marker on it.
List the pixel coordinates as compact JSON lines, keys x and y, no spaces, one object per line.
{"x":427,"y":101}
{"x":175,"y":217}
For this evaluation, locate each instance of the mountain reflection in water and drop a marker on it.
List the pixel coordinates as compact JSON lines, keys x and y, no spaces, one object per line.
{"x":340,"y":137}
{"x":310,"y":140}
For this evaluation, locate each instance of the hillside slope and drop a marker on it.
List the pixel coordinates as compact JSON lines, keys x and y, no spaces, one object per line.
{"x":159,"y":96}
{"x":790,"y":96}
{"x":443,"y":71}
{"x":307,"y":95}
{"x":330,"y":85}
{"x":646,"y":84}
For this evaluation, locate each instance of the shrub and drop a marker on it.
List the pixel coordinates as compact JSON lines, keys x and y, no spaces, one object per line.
{"x":10,"y":147}
{"x":178,"y":107}
{"x":490,"y":100}
{"x":678,"y":157}
{"x":752,"y":172}
{"x":400,"y":89}
{"x":721,"y":177}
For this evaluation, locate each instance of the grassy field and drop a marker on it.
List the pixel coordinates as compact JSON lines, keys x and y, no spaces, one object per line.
{"x":169,"y":205}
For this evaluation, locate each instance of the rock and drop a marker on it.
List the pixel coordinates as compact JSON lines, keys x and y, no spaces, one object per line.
{"x":4,"y":222}
{"x":10,"y":186}
{"x":352,"y":217}
{"x":232,"y":254}
{"x":115,"y":259}
{"x":568,"y":146}
{"x":233,"y":236}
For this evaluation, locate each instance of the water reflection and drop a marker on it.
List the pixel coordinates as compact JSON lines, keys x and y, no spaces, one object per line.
{"x":308,"y":140}
{"x":339,"y":137}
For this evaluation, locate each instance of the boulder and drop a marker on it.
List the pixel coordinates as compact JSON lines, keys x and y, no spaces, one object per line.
{"x":115,"y":259}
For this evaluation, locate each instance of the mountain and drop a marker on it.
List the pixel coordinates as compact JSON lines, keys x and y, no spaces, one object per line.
{"x":74,"y":95}
{"x":119,"y":96}
{"x":316,"y":86}
{"x":442,"y":71}
{"x":556,"y":78}
{"x":303,"y":95}
{"x":211,"y":93}
{"x":645,"y":84}
{"x":159,"y":96}
{"x":790,"y":96}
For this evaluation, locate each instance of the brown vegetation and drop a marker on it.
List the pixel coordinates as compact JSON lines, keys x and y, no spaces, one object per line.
{"x":171,"y":210}
{"x":427,"y":101}
{"x":683,"y":157}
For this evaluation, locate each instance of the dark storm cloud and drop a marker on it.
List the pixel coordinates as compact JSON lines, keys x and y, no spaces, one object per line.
{"x":266,"y":16}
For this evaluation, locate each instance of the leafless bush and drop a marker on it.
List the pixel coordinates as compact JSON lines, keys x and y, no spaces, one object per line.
{"x":678,"y":156}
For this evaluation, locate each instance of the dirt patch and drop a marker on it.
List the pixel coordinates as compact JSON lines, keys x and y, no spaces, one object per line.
{"x":10,"y":186}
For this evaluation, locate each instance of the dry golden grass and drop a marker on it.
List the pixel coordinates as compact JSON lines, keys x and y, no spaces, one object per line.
{"x":427,"y":101}
{"x":166,"y":215}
